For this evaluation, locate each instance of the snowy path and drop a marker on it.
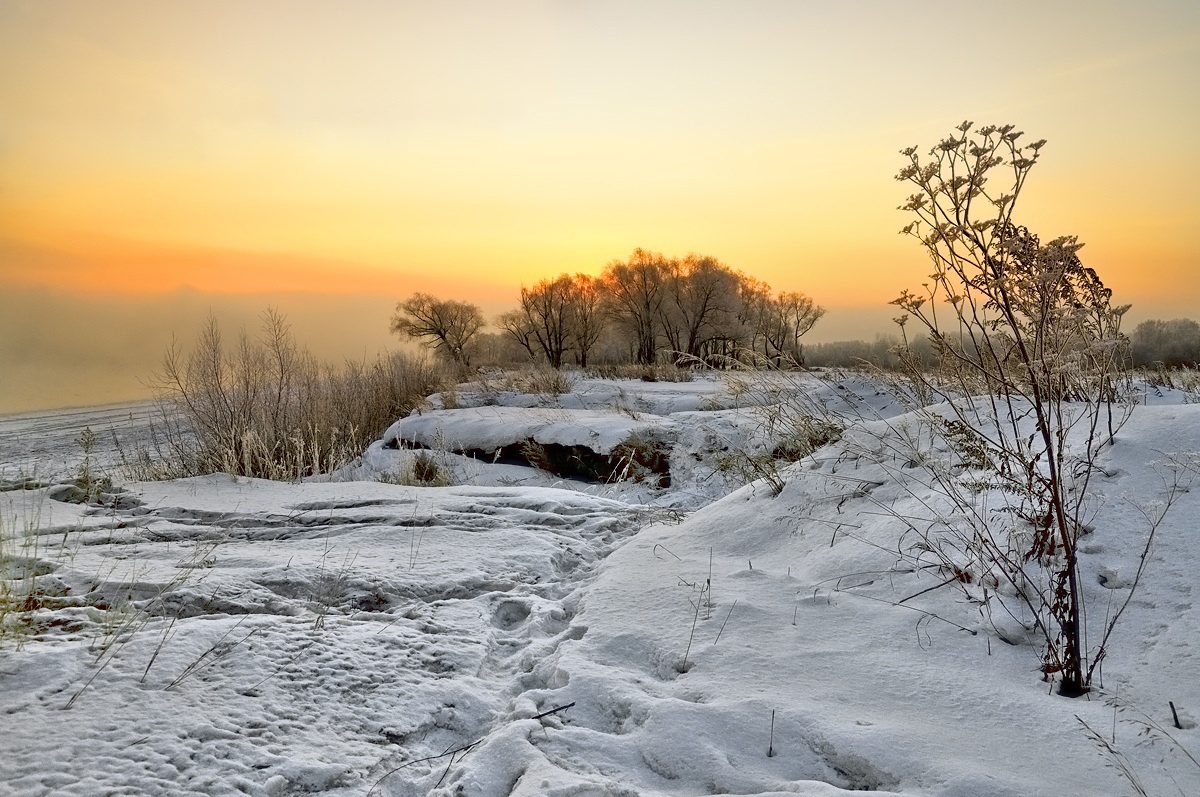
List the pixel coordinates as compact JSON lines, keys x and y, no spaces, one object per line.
{"x":330,"y":633}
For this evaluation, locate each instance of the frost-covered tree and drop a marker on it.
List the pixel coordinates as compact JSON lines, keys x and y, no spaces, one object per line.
{"x":701,"y":305}
{"x":444,"y":324}
{"x":1172,"y":343}
{"x":585,"y":316}
{"x":635,"y":291}
{"x":785,"y":319}
{"x":546,"y":309}
{"x":516,"y":327}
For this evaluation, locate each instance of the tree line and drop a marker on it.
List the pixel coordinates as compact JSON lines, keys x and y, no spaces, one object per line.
{"x":649,"y":307}
{"x":641,"y":310}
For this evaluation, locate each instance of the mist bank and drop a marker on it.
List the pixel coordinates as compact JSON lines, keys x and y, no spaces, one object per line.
{"x":72,"y":350}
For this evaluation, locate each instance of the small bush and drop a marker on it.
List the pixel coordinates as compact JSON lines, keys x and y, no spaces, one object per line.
{"x":806,"y":435}
{"x":639,"y":459}
{"x":537,"y":455}
{"x":423,"y":470}
{"x":1181,"y":378}
{"x":1032,"y":369}
{"x":24,"y":588}
{"x":428,"y":471}
{"x":544,"y":381}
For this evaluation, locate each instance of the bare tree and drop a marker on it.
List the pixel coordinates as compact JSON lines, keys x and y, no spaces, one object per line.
{"x":585,"y":316}
{"x":446,"y":325}
{"x":702,"y":304}
{"x":547,"y":311}
{"x":784,"y":320}
{"x":755,"y":305}
{"x":635,"y":292}
{"x":518,"y":328}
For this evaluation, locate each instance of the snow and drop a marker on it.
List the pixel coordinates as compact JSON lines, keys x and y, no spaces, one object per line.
{"x":522,"y":633}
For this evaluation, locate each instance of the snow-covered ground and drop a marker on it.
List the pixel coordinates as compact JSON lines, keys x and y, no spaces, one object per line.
{"x":532,"y":633}
{"x":46,"y":444}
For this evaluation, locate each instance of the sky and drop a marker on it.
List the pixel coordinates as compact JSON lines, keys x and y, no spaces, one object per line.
{"x":163,"y":161}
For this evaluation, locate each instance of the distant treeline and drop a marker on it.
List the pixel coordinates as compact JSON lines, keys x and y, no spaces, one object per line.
{"x":644,"y":310}
{"x":652,"y":309}
{"x":1170,"y":344}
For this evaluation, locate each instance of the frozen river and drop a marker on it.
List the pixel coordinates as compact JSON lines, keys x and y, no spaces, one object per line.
{"x":46,"y":444}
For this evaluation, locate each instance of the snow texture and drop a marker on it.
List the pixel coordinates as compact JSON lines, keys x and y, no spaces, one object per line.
{"x":522,"y":633}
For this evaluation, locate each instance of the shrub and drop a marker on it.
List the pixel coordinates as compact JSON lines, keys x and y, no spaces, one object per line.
{"x":543,"y":381}
{"x":266,"y":408}
{"x":428,"y":472}
{"x":791,"y":425}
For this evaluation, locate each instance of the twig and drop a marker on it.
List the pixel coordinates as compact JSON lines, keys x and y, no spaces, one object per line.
{"x":466,"y":748}
{"x":654,"y":551}
{"x":913,"y":608}
{"x":552,"y":711}
{"x":950,"y":580}
{"x":695,"y":619}
{"x":709,"y":603}
{"x":718,"y":639}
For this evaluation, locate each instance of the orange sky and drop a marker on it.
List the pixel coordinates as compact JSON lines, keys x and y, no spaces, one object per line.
{"x":371,"y":149}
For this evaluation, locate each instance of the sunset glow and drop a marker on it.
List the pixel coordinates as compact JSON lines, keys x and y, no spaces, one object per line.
{"x":374,"y":149}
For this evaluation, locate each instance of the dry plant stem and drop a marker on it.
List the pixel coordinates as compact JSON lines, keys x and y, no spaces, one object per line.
{"x":708,"y":604}
{"x":692,"y":635}
{"x":924,"y":613}
{"x":166,"y":634}
{"x":1120,"y":762}
{"x":1153,"y":521}
{"x":464,"y":750}
{"x":1033,"y":335}
{"x":213,"y":654}
{"x":659,"y":545}
{"x":983,"y":549}
{"x":136,"y":618}
{"x":1151,"y":725}
{"x":554,"y":710}
{"x":727,"y":616}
